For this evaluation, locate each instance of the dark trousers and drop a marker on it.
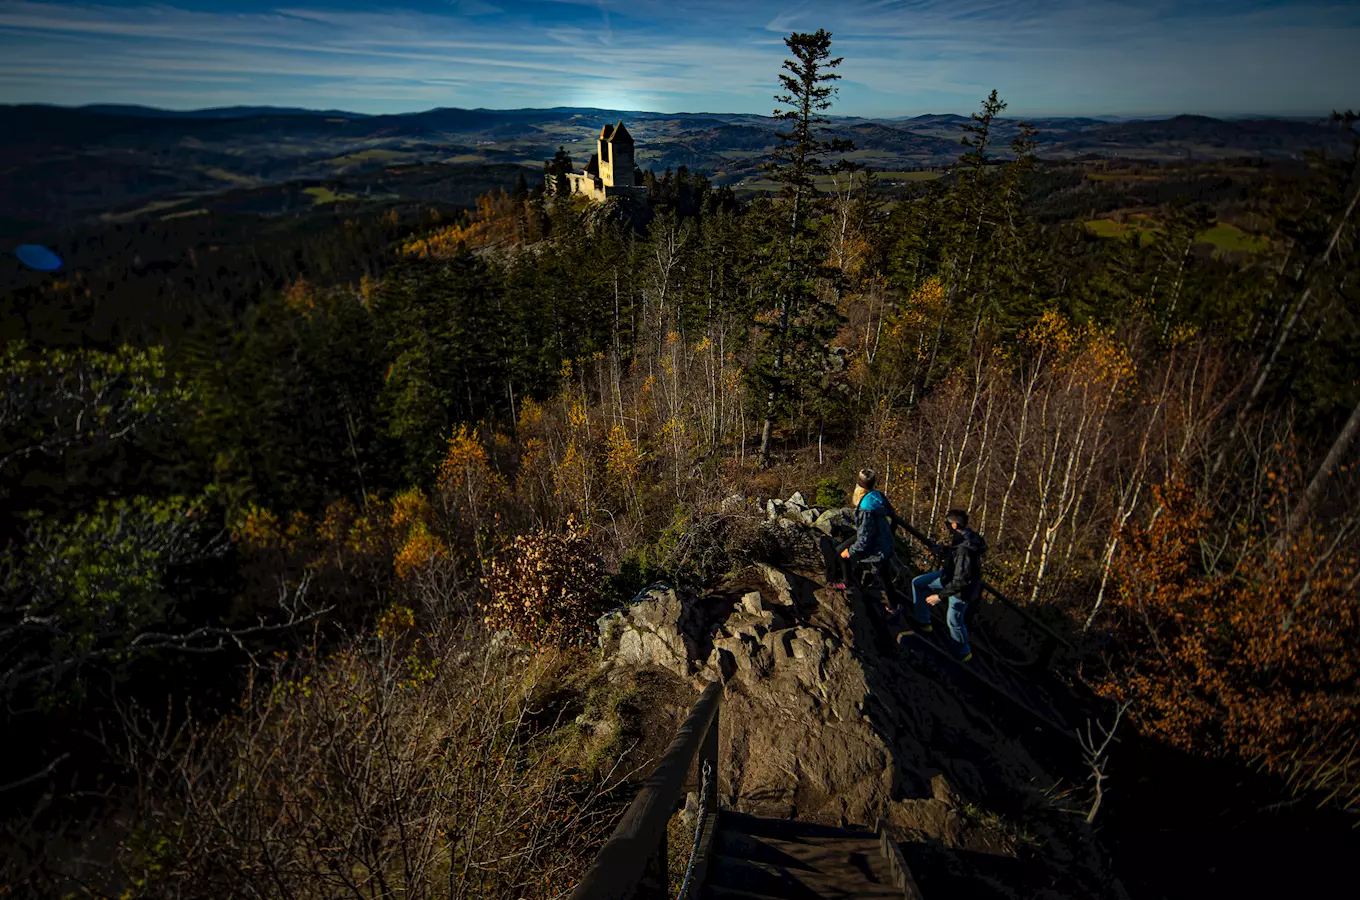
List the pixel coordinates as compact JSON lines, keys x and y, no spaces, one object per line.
{"x":838,"y":569}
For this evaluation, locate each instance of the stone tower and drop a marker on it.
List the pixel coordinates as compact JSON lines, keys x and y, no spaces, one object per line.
{"x":610,"y":172}
{"x":616,"y":156}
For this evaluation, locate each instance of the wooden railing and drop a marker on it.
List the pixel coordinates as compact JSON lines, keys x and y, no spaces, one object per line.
{"x":1051,"y":639}
{"x":633,"y":862}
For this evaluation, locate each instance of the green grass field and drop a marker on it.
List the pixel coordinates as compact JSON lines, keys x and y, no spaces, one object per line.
{"x":322,"y":194}
{"x":1221,"y":235}
{"x":373,"y":154}
{"x":1233,"y":239}
{"x":229,"y":177}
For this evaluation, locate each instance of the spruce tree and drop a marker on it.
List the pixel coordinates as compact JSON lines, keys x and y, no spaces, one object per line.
{"x":804,"y":323}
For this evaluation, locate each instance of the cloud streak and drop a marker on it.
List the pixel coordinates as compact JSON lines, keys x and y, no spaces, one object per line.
{"x":902,"y":56}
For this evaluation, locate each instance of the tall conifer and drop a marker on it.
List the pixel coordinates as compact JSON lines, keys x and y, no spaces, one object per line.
{"x":804,"y":323}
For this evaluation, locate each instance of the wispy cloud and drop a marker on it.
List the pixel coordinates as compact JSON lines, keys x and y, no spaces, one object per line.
{"x":1063,"y":56}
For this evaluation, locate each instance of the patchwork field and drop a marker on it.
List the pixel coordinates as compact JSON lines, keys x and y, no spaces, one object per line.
{"x":1222,"y":235}
{"x":322,"y":194}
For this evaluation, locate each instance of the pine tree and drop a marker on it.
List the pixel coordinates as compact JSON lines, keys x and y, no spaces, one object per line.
{"x":804,"y":323}
{"x":555,"y":173}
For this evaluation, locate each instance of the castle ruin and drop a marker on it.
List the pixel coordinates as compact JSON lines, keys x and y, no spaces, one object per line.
{"x":610,"y":172}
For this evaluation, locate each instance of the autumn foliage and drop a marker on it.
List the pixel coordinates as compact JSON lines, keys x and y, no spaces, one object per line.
{"x":546,"y":589}
{"x":1260,"y":662}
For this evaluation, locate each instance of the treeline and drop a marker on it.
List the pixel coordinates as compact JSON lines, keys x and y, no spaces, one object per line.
{"x":1157,"y":444}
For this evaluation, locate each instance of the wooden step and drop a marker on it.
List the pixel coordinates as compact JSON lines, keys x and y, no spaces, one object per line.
{"x":860,"y":857}
{"x":763,"y":879}
{"x":788,"y":829}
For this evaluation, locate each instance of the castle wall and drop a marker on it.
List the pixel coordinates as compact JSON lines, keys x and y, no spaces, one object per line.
{"x":589,"y":185}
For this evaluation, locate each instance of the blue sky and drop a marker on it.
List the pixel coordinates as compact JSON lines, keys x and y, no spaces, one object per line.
{"x":902,"y":57}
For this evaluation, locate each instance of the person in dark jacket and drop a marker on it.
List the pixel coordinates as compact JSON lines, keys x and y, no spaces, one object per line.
{"x":959,"y":578}
{"x":873,"y":541}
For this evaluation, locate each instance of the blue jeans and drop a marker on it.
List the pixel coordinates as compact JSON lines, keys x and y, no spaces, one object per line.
{"x":922,"y":586}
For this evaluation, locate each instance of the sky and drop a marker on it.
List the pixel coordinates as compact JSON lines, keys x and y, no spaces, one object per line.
{"x":902,"y":57}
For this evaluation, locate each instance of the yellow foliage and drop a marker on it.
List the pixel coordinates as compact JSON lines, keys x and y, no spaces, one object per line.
{"x":465,"y":460}
{"x":396,"y":620}
{"x":1053,"y":333}
{"x":1181,"y":334}
{"x":572,"y":476}
{"x":530,"y":414}
{"x":300,"y":296}
{"x":577,"y":414}
{"x":335,"y":525}
{"x":624,"y":458}
{"x":410,"y":508}
{"x":259,"y":529}
{"x":419,"y":550}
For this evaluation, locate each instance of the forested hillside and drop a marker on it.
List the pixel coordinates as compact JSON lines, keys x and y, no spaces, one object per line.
{"x":267,"y":537}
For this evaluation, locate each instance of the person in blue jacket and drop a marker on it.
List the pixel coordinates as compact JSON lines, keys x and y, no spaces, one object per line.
{"x":959,"y":578}
{"x":873,"y":541}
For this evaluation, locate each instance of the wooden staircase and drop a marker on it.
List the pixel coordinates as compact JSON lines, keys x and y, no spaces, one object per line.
{"x":753,"y":858}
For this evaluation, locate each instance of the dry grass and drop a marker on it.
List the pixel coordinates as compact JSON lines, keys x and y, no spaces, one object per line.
{"x":403,"y":765}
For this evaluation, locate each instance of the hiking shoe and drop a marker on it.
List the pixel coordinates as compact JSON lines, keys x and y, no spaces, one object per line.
{"x":837,"y":586}
{"x":923,"y":627}
{"x":968,"y":657}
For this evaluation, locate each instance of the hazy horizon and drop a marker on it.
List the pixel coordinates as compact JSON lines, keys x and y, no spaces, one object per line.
{"x":656,"y":112}
{"x":902,"y":57}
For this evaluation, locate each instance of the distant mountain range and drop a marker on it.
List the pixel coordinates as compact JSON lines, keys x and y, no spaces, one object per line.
{"x":63,"y":164}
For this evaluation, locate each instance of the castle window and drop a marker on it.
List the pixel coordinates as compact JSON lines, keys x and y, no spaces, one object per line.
{"x":604,"y":152}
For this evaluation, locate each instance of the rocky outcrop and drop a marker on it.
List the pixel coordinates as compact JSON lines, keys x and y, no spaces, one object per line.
{"x":796,"y":512}
{"x":826,"y":719}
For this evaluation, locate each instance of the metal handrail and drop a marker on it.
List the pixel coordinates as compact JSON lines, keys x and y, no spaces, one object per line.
{"x":1052,"y":635}
{"x":632,"y":863}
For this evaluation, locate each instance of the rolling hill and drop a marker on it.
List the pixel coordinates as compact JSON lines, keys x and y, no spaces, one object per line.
{"x":65,"y":165}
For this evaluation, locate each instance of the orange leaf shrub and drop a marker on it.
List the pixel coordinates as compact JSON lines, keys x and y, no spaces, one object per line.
{"x":1261,"y":662}
{"x":545,"y":590}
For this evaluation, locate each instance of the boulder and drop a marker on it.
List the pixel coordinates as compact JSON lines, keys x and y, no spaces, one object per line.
{"x":734,"y":503}
{"x":778,"y":580}
{"x":797,"y":500}
{"x":834,"y":521}
{"x":660,"y":627}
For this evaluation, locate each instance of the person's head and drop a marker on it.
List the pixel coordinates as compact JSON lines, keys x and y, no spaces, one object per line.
{"x":956,"y":520}
{"x":865,"y":482}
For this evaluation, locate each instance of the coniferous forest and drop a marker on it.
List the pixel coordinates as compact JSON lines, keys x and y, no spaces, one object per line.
{"x":277,"y":505}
